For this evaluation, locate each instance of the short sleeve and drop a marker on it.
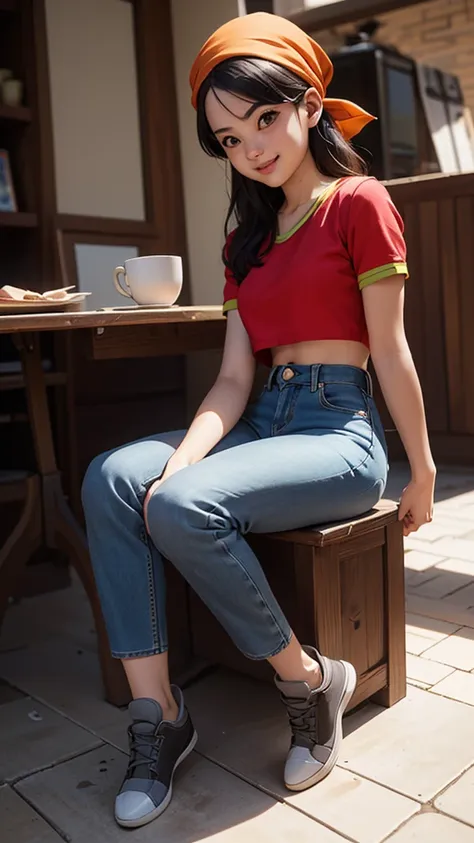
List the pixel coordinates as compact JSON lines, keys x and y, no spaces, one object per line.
{"x":375,"y":234}
{"x":231,"y":288}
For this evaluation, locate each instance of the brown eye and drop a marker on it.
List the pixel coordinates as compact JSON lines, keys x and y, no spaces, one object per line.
{"x":230,"y":141}
{"x":267,"y":118}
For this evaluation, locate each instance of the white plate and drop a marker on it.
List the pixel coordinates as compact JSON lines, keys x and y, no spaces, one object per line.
{"x":38,"y":306}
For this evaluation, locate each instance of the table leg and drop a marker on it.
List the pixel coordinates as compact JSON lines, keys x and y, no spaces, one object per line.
{"x":60,"y":528}
{"x":25,"y":539}
{"x":71,"y":539}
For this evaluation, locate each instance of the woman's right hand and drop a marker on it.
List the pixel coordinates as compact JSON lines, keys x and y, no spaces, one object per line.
{"x":148,"y":495}
{"x":171,"y":468}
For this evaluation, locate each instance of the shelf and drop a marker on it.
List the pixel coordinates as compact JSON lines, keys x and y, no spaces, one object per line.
{"x":14,"y":113}
{"x":18,"y":219}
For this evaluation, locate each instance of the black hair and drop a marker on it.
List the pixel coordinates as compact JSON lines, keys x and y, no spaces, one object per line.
{"x":254,"y":205}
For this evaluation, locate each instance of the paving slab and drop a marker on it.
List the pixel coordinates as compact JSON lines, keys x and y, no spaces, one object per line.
{"x":465,"y":597}
{"x":22,"y":824}
{"x":34,"y":736}
{"x":418,"y":560}
{"x":432,"y":628}
{"x":416,"y":644}
{"x":444,"y":610}
{"x":40,"y":617}
{"x":442,"y":526}
{"x":457,"y":686}
{"x":425,"y":671}
{"x":457,"y":650}
{"x":350,"y":805}
{"x":458,"y":800}
{"x":449,"y":547}
{"x":208,"y":803}
{"x":431,"y":827}
{"x":8,"y":693}
{"x":443,"y":583}
{"x":417,"y":747}
{"x":75,"y":689}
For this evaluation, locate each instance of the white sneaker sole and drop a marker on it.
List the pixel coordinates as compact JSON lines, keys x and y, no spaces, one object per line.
{"x":322,"y":772}
{"x":148,"y":818}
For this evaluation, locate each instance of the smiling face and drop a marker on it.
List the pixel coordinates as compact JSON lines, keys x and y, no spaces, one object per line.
{"x":266,"y":143}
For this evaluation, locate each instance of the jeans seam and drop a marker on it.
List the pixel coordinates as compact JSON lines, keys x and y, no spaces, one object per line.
{"x":284,"y":644}
{"x":328,"y":406}
{"x":155,"y":631}
{"x":369,"y":489}
{"x":150,"y":651}
{"x":253,"y":583}
{"x":290,"y":411}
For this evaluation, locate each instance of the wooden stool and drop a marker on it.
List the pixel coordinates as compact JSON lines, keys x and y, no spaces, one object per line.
{"x":342,"y":589}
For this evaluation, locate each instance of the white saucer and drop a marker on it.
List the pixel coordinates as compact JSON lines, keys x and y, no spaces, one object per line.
{"x":141,"y":307}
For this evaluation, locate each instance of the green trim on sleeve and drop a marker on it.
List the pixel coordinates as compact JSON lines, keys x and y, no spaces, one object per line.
{"x":379,"y":272}
{"x":231,"y":304}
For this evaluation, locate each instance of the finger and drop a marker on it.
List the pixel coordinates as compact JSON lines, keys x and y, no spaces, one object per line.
{"x":402,"y":511}
{"x":416,"y":526}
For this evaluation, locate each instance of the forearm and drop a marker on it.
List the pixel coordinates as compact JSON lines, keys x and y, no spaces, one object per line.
{"x":402,"y":392}
{"x":219,"y":412}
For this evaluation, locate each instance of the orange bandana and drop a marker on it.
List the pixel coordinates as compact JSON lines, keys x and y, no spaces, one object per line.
{"x":276,"y":39}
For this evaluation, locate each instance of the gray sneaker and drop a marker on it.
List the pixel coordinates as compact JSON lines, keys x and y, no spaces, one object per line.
{"x":157,"y":747}
{"x":316,"y":721}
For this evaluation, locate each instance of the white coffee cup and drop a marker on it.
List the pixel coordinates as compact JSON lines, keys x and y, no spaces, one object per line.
{"x":151,"y":279}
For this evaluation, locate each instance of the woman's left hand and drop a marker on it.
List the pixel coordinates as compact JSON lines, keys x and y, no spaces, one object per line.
{"x":416,"y":505}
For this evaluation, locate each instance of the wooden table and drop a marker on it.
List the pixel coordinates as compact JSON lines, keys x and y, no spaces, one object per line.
{"x":46,"y":519}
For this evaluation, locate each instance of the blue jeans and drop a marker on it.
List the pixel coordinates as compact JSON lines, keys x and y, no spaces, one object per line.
{"x":310,"y":449}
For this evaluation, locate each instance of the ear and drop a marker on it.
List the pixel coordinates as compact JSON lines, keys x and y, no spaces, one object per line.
{"x":313,"y":104}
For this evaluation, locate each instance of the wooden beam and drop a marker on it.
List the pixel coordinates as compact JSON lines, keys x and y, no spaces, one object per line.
{"x":159,"y":129}
{"x":345,"y":11}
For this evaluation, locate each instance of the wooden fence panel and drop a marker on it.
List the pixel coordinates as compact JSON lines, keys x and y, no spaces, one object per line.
{"x":438,"y":213}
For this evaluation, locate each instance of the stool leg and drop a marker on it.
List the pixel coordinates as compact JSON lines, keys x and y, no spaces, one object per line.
{"x":395,"y":615}
{"x":21,"y":543}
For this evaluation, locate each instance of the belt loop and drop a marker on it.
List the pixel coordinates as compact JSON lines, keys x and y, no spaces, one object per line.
{"x":315,"y":376}
{"x":270,"y":377}
{"x":370,"y":386}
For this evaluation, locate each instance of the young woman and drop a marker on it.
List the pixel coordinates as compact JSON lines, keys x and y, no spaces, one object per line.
{"x":315,"y":270}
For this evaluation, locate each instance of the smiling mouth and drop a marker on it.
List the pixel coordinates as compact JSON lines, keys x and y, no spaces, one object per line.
{"x":268,"y":164}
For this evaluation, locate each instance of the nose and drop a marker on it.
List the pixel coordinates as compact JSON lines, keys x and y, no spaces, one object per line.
{"x":253,"y":151}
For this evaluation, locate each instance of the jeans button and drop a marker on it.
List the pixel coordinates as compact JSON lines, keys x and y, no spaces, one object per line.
{"x":287,"y":374}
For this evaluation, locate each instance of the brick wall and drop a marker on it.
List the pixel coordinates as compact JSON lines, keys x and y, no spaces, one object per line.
{"x":439,"y":33}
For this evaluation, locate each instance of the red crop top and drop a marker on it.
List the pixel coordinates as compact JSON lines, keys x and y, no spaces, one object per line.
{"x":309,"y":285}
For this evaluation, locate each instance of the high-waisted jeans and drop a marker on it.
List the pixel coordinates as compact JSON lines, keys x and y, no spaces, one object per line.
{"x":309,"y":450}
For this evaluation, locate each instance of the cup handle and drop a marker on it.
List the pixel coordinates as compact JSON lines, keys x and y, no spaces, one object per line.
{"x":118,"y":271}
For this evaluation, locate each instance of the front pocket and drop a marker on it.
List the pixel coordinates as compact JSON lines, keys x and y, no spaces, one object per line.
{"x":344,"y":398}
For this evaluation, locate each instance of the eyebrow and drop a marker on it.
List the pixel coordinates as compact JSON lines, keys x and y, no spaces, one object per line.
{"x":246,"y":116}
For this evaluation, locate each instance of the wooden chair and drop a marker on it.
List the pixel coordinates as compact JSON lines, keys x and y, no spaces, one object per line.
{"x":19,"y":487}
{"x":341,"y":587}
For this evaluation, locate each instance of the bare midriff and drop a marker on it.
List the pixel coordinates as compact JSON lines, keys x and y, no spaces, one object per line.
{"x":344,"y":352}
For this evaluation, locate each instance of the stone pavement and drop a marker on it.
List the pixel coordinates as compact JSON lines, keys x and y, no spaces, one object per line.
{"x":405,"y":774}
